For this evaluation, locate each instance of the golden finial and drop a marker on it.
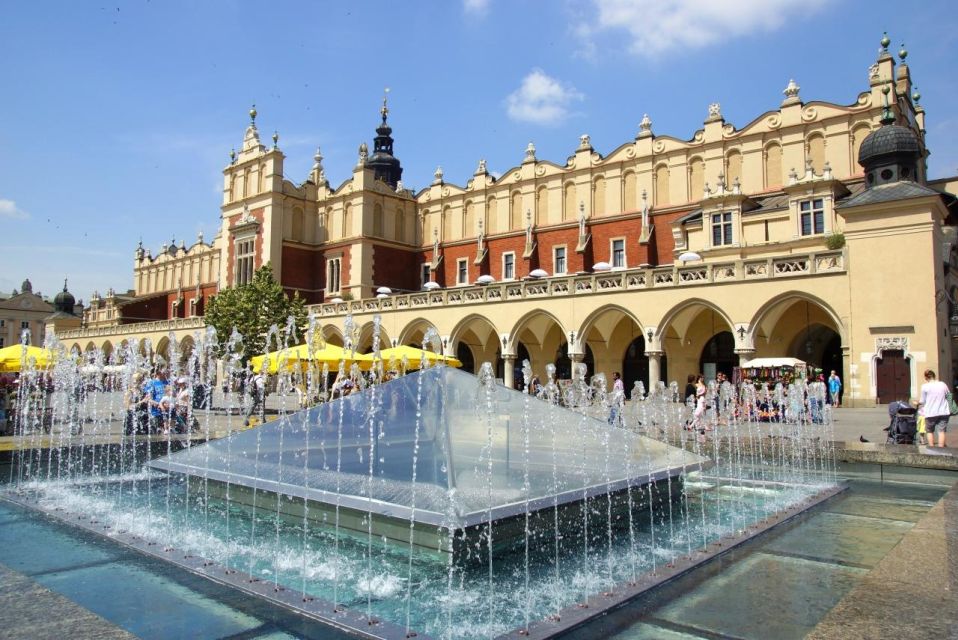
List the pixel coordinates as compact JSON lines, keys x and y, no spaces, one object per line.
{"x":252,"y":114}
{"x":385,"y":109}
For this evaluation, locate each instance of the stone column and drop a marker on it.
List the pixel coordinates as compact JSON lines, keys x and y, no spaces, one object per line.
{"x":655,"y":368}
{"x":744,"y":355}
{"x":509,"y":370}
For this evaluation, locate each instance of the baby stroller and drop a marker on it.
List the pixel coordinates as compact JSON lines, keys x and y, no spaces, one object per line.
{"x":904,"y":423}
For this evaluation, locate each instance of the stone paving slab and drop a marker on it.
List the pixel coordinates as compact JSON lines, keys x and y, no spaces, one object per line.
{"x":29,"y":611}
{"x":911,"y":593}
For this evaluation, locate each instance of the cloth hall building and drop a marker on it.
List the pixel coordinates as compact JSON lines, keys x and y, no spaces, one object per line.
{"x":810,"y":232}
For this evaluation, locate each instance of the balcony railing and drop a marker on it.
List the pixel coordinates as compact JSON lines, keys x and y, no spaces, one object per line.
{"x":137,"y":327}
{"x":790,"y":266}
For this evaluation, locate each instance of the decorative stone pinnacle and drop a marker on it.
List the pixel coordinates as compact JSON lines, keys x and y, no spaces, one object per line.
{"x":715,"y":112}
{"x":232,"y":156}
{"x":646,"y":123}
{"x":791,"y":92}
{"x":530,"y":151}
{"x":585,"y":142}
{"x":275,"y":139}
{"x":318,"y":159}
{"x":437,"y":174}
{"x":481,"y":169}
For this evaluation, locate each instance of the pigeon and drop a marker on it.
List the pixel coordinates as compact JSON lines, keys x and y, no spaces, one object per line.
{"x":863,"y":439}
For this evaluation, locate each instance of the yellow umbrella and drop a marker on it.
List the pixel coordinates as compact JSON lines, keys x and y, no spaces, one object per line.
{"x":12,"y":358}
{"x":414,"y":357}
{"x":300,"y":354}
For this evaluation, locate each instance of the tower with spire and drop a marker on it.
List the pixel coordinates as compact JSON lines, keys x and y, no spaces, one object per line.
{"x":385,"y":165}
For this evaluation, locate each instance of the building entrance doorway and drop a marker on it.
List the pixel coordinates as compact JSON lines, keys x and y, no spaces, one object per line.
{"x":893,"y":377}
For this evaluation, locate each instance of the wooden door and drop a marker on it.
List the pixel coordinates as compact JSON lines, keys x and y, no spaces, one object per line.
{"x":893,"y":377}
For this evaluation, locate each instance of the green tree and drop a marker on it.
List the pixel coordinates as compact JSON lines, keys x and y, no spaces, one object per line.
{"x":252,"y":309}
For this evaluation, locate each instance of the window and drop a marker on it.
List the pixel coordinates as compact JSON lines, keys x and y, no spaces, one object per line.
{"x":558,"y":261}
{"x":3,"y":323}
{"x":508,"y":266}
{"x":425,"y":273}
{"x":618,"y":253}
{"x":333,"y":275}
{"x":462,"y":271}
{"x":812,"y":216}
{"x":24,"y":324}
{"x":244,"y":261}
{"x":2,"y":342}
{"x":721,"y":228}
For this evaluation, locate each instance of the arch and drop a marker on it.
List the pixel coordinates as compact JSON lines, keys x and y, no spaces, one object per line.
{"x":107,"y":350}
{"x":660,"y":195}
{"x":598,"y":196}
{"x":378,"y":220}
{"x":542,"y":206}
{"x":815,"y":151}
{"x":479,"y":336}
{"x":733,"y":167}
{"x":364,"y":342}
{"x":630,"y":199}
{"x":527,"y":320}
{"x":515,"y":211}
{"x":592,"y":319}
{"x":696,"y":178}
{"x":186,"y":348}
{"x":762,"y":313}
{"x":718,"y":355}
{"x":568,"y":201}
{"x":773,"y":165}
{"x":465,"y":355}
{"x":672,"y":314}
{"x":163,"y":348}
{"x":414,"y":332}
{"x":332,"y":334}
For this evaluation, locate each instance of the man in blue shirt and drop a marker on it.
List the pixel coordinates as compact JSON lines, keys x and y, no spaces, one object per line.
{"x":154,"y":389}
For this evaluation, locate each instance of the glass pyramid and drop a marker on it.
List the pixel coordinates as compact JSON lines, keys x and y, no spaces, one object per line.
{"x":473,"y":446}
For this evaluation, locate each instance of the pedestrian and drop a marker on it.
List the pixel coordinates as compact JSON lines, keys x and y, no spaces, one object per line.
{"x":935,"y":407}
{"x":690,"y":388}
{"x":257,"y":389}
{"x":835,"y":389}
{"x":153,"y":392}
{"x":617,"y":400}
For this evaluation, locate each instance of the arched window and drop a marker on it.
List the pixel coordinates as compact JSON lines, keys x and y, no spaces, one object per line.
{"x":630,"y":200}
{"x":733,"y":167}
{"x":773,"y":165}
{"x":542,"y":206}
{"x":569,"y":211}
{"x":598,"y":196}
{"x":261,"y":179}
{"x":322,"y":234}
{"x":661,"y":195}
{"x":378,"y":220}
{"x":515,"y":212}
{"x":696,"y":179}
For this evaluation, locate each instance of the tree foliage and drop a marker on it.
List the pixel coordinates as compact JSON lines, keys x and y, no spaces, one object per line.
{"x":252,"y":309}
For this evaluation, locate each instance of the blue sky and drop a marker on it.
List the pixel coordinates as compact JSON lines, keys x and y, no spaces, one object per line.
{"x":117,"y":117}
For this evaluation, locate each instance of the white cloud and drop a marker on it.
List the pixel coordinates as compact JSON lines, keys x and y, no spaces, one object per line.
{"x":658,"y":26}
{"x":541,"y":99}
{"x":475,"y":6}
{"x":10,"y":210}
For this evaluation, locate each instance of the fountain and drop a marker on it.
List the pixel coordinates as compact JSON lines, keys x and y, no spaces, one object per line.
{"x":435,"y":504}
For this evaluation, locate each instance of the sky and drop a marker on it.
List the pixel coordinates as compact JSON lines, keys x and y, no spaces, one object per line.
{"x":117,"y":118}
